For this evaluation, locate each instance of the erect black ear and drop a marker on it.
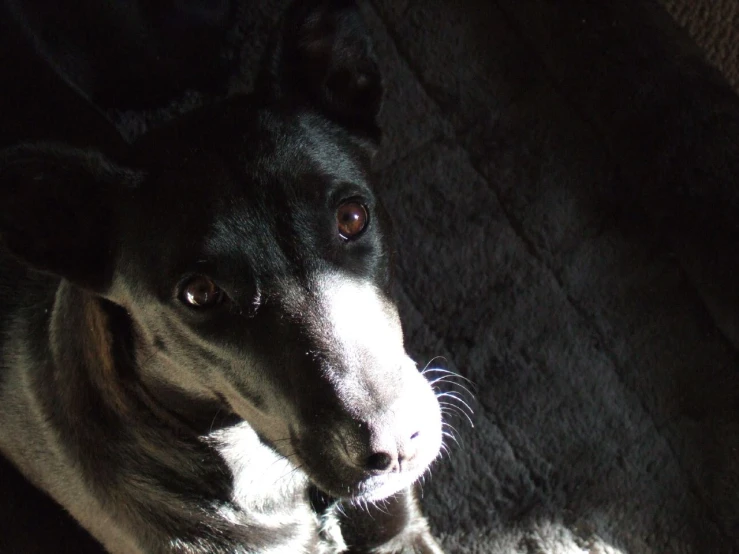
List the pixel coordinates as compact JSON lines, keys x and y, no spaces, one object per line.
{"x":323,"y":54}
{"x":57,"y":210}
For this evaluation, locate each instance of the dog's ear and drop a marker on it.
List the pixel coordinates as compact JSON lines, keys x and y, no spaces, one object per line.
{"x":323,"y":54}
{"x":57,"y":210}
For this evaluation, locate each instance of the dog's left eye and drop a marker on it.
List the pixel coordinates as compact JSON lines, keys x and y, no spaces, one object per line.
{"x":351,"y":218}
{"x":201,"y":292}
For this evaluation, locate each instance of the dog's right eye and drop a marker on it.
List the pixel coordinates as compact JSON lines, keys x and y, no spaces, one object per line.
{"x":201,"y":292}
{"x":351,"y":219}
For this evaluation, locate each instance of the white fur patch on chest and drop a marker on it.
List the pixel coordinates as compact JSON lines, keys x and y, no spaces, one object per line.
{"x":269,"y":491}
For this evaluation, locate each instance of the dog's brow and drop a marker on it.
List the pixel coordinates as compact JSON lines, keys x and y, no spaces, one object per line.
{"x":327,"y":154}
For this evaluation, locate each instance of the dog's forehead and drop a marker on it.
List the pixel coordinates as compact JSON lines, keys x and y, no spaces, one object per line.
{"x":283,"y":189}
{"x":307,"y":143}
{"x":229,"y":174}
{"x":257,"y":149}
{"x":278,"y":163}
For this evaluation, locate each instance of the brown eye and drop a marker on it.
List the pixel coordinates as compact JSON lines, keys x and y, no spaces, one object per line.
{"x":351,"y":218}
{"x":201,"y":292}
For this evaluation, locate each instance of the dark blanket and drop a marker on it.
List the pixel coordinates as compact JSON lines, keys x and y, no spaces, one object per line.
{"x":714,"y":25}
{"x":563,"y":183}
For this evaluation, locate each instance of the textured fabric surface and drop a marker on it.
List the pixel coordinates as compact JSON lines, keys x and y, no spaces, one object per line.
{"x":538,"y":163}
{"x":714,"y":24}
{"x":580,"y":328}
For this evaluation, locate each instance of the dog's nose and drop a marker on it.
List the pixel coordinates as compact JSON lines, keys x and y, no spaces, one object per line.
{"x":379,"y":461}
{"x":391,"y":457}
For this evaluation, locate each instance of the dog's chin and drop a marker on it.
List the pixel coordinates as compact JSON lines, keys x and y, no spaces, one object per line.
{"x":375,"y":489}
{"x":368,"y":489}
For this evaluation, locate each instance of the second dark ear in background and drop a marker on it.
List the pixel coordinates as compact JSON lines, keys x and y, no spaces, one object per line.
{"x":322,"y":55}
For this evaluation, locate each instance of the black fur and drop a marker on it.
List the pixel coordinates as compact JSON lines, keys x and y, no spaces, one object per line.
{"x":269,"y":422}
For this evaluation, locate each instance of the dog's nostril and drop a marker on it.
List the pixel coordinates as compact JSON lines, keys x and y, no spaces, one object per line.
{"x":379,"y":461}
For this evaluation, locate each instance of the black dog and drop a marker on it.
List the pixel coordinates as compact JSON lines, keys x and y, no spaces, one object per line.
{"x":199,"y":351}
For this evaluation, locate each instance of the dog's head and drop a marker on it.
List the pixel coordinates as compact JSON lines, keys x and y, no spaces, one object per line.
{"x":248,"y":249}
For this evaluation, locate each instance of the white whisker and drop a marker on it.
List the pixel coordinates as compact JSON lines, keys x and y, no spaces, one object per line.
{"x":457,"y":410}
{"x":458,"y":399}
{"x":431,"y":361}
{"x":447,"y":373}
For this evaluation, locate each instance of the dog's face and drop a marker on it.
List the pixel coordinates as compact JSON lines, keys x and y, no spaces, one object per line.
{"x":248,"y":248}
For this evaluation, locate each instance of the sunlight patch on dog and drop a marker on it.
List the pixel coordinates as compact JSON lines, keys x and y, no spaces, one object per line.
{"x":258,"y":472}
{"x":359,"y":322}
{"x":358,"y":311}
{"x":378,"y":382}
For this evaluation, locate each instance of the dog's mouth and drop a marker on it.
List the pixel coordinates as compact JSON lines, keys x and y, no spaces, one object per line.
{"x":379,"y":487}
{"x":331,"y":469}
{"x":352,"y":485}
